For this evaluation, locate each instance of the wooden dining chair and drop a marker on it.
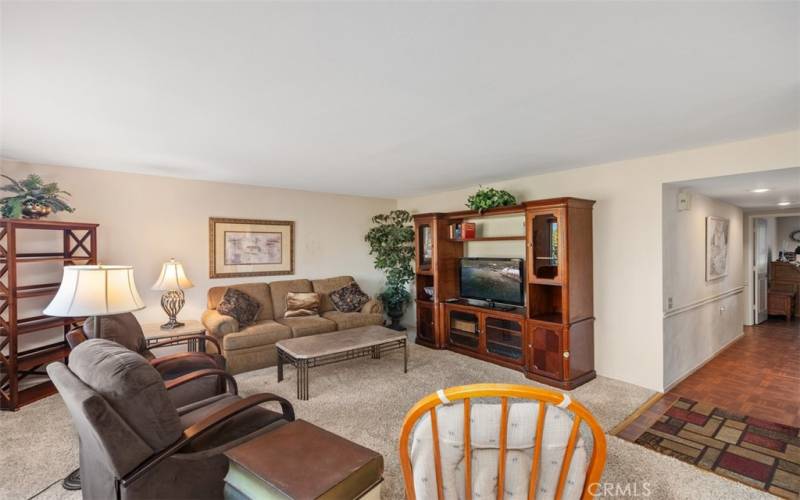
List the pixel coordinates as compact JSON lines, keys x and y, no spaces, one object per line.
{"x":428,"y":411}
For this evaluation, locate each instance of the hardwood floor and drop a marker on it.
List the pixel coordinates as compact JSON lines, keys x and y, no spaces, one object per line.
{"x":757,"y":376}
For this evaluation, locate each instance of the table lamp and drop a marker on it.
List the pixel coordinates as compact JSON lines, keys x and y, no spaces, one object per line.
{"x":172,"y":282}
{"x":95,"y":291}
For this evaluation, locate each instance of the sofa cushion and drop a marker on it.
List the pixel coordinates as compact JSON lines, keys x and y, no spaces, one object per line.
{"x":279,"y":290}
{"x":258,"y":291}
{"x":349,"y":298}
{"x":240,"y":306}
{"x":325,"y":286}
{"x":308,"y":325}
{"x":261,"y":333}
{"x":301,"y":304}
{"x":345,"y":321}
{"x":131,"y":386}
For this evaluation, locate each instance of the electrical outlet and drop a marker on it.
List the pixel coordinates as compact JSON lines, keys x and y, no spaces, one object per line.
{"x":669,"y":302}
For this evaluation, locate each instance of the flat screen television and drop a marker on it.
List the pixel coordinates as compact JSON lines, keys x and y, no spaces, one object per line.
{"x":492,"y":280}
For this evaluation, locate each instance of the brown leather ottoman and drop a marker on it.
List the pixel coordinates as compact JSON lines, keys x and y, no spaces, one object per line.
{"x":302,"y":461}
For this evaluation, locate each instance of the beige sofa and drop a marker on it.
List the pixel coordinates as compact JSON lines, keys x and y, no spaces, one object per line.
{"x":253,"y":347}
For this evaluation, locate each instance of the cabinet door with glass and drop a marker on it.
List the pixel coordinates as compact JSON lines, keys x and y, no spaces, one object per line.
{"x":423,"y":236}
{"x":463,"y":329}
{"x":546,"y":245}
{"x":503,"y":337}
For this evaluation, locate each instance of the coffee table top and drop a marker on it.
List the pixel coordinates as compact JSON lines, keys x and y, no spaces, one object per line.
{"x":335,"y":342}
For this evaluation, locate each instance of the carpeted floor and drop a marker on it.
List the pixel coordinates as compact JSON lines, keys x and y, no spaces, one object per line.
{"x":365,"y":400}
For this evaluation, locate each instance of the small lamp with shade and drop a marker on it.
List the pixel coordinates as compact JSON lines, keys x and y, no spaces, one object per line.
{"x":172,"y":281}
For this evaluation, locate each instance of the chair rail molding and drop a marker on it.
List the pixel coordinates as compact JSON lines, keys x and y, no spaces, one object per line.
{"x":707,"y":300}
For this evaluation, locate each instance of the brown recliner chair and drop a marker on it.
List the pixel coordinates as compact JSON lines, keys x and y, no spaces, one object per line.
{"x":134,"y":444}
{"x":125,"y":330}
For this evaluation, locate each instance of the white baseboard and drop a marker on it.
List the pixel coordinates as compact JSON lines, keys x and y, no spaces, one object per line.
{"x":704,"y":363}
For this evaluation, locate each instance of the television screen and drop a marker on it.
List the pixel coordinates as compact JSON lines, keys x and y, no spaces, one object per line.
{"x":496,"y":280}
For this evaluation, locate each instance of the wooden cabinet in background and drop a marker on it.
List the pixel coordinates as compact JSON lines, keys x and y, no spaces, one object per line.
{"x":551,"y":339}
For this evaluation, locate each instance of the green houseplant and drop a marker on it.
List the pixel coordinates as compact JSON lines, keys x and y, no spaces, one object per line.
{"x":391,"y":243}
{"x":487,"y":198}
{"x":32,"y":198}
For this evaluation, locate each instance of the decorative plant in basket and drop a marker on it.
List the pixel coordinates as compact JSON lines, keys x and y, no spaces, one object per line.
{"x":487,"y":198}
{"x":32,"y":198}
{"x":391,"y":243}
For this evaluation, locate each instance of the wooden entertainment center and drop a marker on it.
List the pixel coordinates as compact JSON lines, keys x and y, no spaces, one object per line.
{"x":551,"y":339}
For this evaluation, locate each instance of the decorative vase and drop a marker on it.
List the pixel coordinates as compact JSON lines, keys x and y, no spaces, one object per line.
{"x":395,"y":313}
{"x":35,"y":211}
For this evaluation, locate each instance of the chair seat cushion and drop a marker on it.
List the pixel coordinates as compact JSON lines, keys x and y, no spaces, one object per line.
{"x":261,"y":333}
{"x":347,"y":320}
{"x":250,"y":420}
{"x":308,"y":325}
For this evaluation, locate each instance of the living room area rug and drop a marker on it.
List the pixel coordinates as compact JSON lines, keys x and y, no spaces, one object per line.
{"x":761,"y":454}
{"x":365,"y":400}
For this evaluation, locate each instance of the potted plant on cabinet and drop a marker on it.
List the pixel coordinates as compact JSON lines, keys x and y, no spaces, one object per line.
{"x":391,"y":243}
{"x":32,"y":198}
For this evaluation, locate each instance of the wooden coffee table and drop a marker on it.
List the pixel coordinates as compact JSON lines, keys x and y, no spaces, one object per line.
{"x":319,"y":350}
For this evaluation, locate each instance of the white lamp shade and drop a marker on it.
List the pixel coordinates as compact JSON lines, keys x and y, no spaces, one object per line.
{"x":95,"y":291}
{"x":172,"y":277}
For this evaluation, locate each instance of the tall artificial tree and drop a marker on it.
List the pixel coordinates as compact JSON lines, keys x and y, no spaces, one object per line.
{"x":391,"y":243}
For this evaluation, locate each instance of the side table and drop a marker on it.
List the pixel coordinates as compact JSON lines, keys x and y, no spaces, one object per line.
{"x":154,"y":334}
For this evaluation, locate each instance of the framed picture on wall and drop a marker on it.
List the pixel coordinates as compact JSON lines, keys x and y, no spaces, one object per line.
{"x":717,"y":239}
{"x":250,"y":247}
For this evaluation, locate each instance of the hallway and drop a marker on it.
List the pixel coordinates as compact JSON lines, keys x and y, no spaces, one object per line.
{"x":758,"y":375}
{"x":738,"y":416}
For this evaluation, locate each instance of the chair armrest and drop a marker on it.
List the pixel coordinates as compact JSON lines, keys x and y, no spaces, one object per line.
{"x":184,"y":338}
{"x":218,"y":324}
{"x":204,"y":426}
{"x":203,"y":359}
{"x":374,"y":306}
{"x":75,"y":337}
{"x":208,"y":372}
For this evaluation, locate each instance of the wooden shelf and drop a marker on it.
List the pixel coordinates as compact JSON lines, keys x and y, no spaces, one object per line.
{"x":28,"y":361}
{"x":490,"y":238}
{"x":28,"y":260}
{"x":78,"y":246}
{"x":39,"y":323}
{"x":492,"y":212}
{"x":47,"y":224}
{"x":36,"y":392}
{"x":552,"y":318}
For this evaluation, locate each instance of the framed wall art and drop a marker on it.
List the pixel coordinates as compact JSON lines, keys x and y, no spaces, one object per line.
{"x":717,"y":233}
{"x":250,"y":247}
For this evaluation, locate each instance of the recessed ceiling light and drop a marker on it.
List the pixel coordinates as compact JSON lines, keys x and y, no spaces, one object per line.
{"x":784,"y":203}
{"x":759,"y":190}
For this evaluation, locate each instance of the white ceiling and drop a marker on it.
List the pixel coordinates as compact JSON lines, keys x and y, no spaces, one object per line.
{"x":388,"y":99}
{"x":783,"y":185}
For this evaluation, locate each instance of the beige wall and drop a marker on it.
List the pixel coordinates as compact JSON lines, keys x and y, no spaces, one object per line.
{"x":627,"y":242}
{"x":145,"y":220}
{"x":705,"y":316}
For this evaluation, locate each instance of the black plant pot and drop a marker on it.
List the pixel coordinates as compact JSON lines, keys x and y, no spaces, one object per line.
{"x":395,"y":314}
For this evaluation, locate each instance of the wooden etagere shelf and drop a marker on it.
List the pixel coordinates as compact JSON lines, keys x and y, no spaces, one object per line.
{"x":79,"y":247}
{"x":551,"y":339}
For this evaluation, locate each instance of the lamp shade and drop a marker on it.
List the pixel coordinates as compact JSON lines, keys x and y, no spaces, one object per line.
{"x":95,"y":291}
{"x":172,"y":277}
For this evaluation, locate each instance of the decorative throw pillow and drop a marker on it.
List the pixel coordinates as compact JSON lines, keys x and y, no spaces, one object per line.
{"x":349,"y":298}
{"x":301,"y":304}
{"x":239,"y":305}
